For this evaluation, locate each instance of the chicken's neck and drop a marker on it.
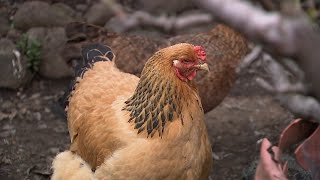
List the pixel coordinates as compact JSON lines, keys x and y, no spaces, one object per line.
{"x":158,"y":100}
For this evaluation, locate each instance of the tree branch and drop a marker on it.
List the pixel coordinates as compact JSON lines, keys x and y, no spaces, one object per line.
{"x":165,"y":23}
{"x":287,"y":36}
{"x":249,"y":59}
{"x":289,"y":94}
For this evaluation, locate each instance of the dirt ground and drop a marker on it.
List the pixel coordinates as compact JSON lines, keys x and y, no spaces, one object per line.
{"x":34,"y":129}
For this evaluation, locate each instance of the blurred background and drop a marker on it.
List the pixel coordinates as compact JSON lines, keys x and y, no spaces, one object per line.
{"x":265,"y":80}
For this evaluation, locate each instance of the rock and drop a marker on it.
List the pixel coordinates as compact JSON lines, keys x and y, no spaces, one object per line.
{"x":8,"y":116}
{"x":7,"y":130}
{"x":52,"y":41}
{"x":81,"y":7}
{"x":6,"y":160}
{"x":7,"y":105}
{"x":13,"y":68}
{"x":98,"y":14}
{"x":37,"y":116}
{"x":42,"y":126}
{"x":64,"y":10}
{"x":41,"y":14}
{"x":159,"y":7}
{"x":4,"y":22}
{"x":167,"y":6}
{"x":14,"y":34}
{"x":54,"y":150}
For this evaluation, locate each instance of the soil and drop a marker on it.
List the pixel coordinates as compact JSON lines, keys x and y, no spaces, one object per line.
{"x":34,"y":129}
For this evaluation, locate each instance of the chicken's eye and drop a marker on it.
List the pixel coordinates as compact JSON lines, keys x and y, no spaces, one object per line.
{"x":186,"y":61}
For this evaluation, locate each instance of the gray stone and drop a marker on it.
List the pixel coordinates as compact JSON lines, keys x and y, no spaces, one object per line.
{"x":7,"y":105}
{"x":14,"y":34}
{"x":52,"y":41}
{"x":65,"y":11}
{"x":81,"y":7}
{"x":6,"y":160}
{"x":13,"y":66}
{"x":4,"y":22}
{"x":163,"y":6}
{"x":41,"y":14}
{"x":54,"y":150}
{"x":98,"y":14}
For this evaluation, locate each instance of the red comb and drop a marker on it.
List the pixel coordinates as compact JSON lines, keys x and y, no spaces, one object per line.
{"x":200,"y":52}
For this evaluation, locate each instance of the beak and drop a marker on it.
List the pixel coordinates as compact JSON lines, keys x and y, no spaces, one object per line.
{"x":203,"y":66}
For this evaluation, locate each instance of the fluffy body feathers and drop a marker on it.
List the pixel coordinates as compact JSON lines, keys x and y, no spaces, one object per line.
{"x":125,"y":128}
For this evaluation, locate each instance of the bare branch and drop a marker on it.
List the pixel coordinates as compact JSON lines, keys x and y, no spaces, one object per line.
{"x":268,"y":5}
{"x":287,"y":93}
{"x":293,"y":68}
{"x":165,"y":23}
{"x":249,"y":59}
{"x":270,"y":28}
{"x":304,"y":106}
{"x":280,"y":81}
{"x":287,"y":36}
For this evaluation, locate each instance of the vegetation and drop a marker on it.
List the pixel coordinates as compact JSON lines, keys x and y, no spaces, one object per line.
{"x":32,"y":50}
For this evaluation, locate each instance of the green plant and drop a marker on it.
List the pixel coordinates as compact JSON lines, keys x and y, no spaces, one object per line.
{"x":32,"y":50}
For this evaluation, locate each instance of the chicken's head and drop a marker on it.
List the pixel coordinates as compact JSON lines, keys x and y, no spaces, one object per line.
{"x":186,"y":60}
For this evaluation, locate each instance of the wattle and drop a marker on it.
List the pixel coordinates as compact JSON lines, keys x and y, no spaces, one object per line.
{"x":186,"y":76}
{"x":192,"y":75}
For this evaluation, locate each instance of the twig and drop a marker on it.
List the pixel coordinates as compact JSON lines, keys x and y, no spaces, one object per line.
{"x":249,"y":59}
{"x":287,"y":93}
{"x":16,"y":63}
{"x":280,"y":77}
{"x":293,"y":68}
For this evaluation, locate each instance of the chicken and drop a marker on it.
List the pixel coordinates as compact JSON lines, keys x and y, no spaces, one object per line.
{"x":225,"y":49}
{"x":123,"y":127}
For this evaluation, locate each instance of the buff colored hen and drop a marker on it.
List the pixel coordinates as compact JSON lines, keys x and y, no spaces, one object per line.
{"x":123,"y":127}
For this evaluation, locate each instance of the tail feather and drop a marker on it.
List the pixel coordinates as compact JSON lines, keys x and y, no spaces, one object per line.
{"x":91,"y":54}
{"x":96,"y":52}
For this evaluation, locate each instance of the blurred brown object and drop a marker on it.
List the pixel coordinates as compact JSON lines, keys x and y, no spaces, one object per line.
{"x":225,"y":48}
{"x":306,"y":134}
